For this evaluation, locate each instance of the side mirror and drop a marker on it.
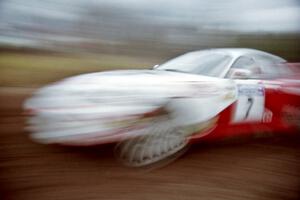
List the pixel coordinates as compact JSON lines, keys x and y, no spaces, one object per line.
{"x":155,"y":66}
{"x":240,"y":73}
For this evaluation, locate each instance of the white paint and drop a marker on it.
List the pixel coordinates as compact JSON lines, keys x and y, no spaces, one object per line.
{"x":250,"y":104}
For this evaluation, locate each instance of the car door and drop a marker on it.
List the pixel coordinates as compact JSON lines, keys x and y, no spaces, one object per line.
{"x":250,"y":105}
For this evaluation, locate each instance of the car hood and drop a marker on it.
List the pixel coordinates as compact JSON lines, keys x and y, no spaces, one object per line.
{"x":124,"y":87}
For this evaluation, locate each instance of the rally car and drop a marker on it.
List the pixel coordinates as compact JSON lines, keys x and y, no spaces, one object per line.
{"x":153,"y":114}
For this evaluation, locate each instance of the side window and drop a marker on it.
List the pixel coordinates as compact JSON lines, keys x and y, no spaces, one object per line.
{"x":244,"y":68}
{"x":271,"y":66}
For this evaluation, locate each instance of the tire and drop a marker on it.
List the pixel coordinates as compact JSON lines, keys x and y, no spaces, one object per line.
{"x":163,"y":142}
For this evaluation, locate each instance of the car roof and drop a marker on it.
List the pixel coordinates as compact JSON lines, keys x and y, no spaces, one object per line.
{"x":237,"y":52}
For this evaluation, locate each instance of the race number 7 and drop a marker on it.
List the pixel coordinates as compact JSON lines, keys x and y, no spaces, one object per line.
{"x":250,"y":103}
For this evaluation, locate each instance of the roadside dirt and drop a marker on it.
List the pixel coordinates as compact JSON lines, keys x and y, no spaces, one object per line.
{"x":254,"y":169}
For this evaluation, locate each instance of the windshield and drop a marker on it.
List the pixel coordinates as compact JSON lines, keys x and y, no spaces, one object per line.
{"x":204,"y":63}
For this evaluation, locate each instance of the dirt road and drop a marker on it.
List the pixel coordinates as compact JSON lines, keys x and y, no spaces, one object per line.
{"x":257,"y":169}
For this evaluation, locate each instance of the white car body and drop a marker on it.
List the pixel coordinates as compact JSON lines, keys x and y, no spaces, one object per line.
{"x":107,"y":107}
{"x":88,"y":107}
